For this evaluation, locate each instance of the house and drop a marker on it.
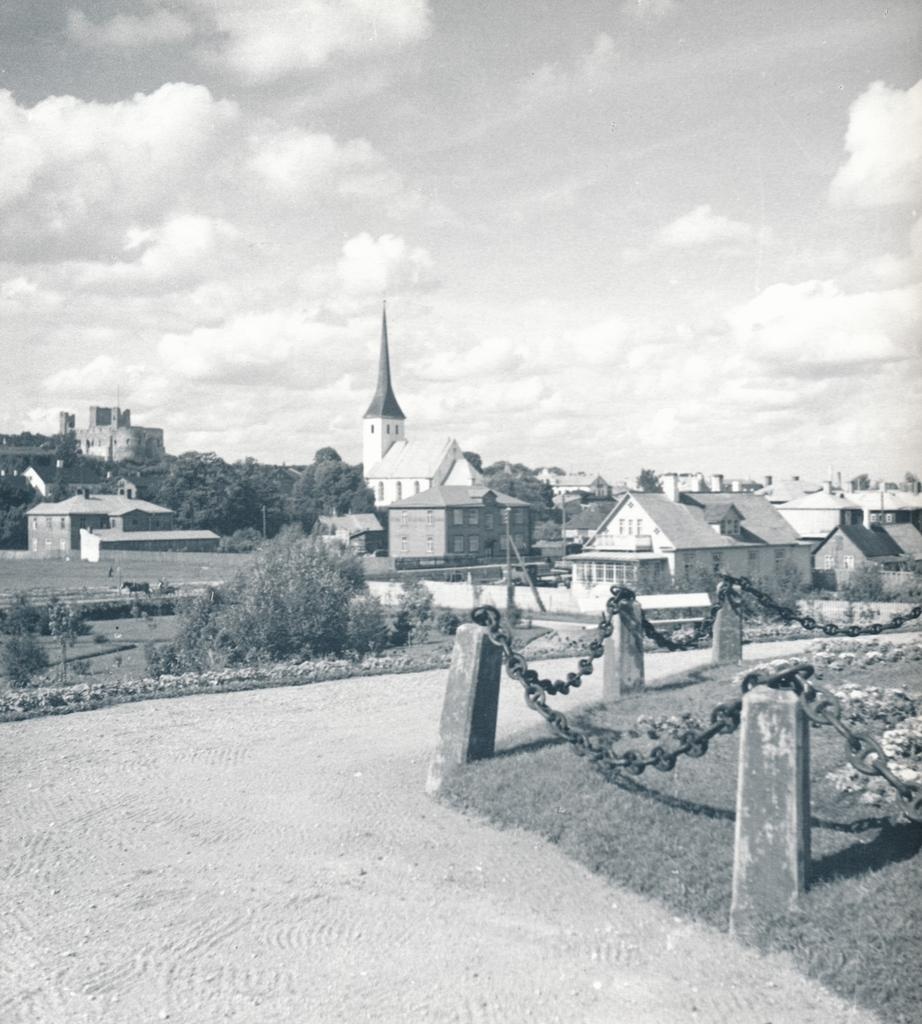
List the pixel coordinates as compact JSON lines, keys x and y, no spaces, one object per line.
{"x":778,"y":492}
{"x":580,"y":526}
{"x":455,"y":525}
{"x":909,"y":540}
{"x":362,"y":532}
{"x":888,"y":507}
{"x":576,"y":483}
{"x":813,"y":516}
{"x":93,"y":524}
{"x":396,"y":467}
{"x":650,"y":541}
{"x":15,"y":459}
{"x":849,"y":548}
{"x":69,"y":480}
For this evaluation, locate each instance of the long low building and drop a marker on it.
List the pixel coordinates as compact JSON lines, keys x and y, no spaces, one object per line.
{"x":94,"y":545}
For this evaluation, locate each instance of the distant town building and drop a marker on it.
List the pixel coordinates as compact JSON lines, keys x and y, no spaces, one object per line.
{"x":96,"y":524}
{"x":70,"y":479}
{"x":362,"y":532}
{"x":394,"y":466}
{"x":813,"y":516}
{"x":651,"y":541}
{"x":849,"y":548}
{"x":109,"y":435}
{"x":457,"y":525}
{"x":778,"y":492}
{"x":576,"y":483}
{"x":888,"y":507}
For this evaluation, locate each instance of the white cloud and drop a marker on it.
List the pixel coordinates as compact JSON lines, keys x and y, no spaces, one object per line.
{"x":293,"y":161}
{"x":591,"y":72}
{"x":268,"y":40}
{"x":74,"y":171}
{"x":884,"y":142}
{"x":702,"y":227}
{"x":376,"y":267}
{"x":816,"y":327}
{"x":129,"y":30}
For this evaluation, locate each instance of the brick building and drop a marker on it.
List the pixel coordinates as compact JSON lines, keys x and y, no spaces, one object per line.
{"x":457,"y":526}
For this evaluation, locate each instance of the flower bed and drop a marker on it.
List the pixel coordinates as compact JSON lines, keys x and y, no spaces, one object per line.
{"x":54,"y":700}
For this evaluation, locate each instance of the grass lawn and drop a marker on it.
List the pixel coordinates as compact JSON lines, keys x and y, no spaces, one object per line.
{"x":670,"y":836}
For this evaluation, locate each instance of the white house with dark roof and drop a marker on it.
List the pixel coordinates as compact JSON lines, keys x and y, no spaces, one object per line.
{"x":395,"y":466}
{"x":649,"y":541}
{"x":814,"y":515}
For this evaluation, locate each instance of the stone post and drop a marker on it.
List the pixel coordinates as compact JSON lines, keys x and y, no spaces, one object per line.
{"x":727,"y":645}
{"x":772,"y":843}
{"x":622,"y":658}
{"x":468,"y":726}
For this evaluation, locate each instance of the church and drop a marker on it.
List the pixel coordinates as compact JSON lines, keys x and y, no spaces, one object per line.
{"x":396,"y":466}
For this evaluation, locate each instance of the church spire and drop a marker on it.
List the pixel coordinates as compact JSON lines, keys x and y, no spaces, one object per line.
{"x":384,"y":403}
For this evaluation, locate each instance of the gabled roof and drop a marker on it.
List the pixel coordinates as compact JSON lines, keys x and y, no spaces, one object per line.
{"x":405,"y":460}
{"x":718,"y":511}
{"x":95,"y":504}
{"x":888,"y":501}
{"x":762,"y":523}
{"x":871,"y":543}
{"x":681,"y":525}
{"x":820,"y":500}
{"x":384,"y":403}
{"x":456,"y":496}
{"x":589,"y":518}
{"x":906,"y":537}
{"x":786,"y":490}
{"x":355,"y":523}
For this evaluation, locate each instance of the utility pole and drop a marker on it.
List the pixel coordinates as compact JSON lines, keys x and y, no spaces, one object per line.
{"x":563,"y":523}
{"x":264,"y":522}
{"x":510,"y":588}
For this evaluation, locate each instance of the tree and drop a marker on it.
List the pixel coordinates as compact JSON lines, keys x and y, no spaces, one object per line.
{"x":16,"y":497}
{"x":67,"y":450}
{"x":21,"y":658}
{"x":865,"y":584}
{"x":329,"y":486}
{"x":521,"y":482}
{"x":63,"y":623}
{"x":648,"y":481}
{"x":862,"y":482}
{"x":475,"y":460}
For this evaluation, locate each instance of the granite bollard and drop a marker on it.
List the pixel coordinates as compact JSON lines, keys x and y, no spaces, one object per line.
{"x":772,"y":843}
{"x":727,"y":647}
{"x":622,"y":654}
{"x":467,"y":731}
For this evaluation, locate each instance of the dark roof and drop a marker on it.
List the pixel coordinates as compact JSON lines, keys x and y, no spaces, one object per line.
{"x":762,"y":523}
{"x":384,"y":403}
{"x":871,"y":543}
{"x":590,"y":518}
{"x":453,"y":496}
{"x":82,"y":473}
{"x":906,"y":536}
{"x":355,"y":523}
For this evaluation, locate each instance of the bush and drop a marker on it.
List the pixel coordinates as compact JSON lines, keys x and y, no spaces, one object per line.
{"x":865,"y":584}
{"x":366,"y":630}
{"x":447,"y":622}
{"x":247,"y":539}
{"x":21,"y":659}
{"x":21,"y":617}
{"x":415,"y":610}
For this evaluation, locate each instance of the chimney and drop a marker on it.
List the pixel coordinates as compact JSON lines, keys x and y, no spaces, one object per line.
{"x":768,"y":481}
{"x":717,"y":482}
{"x":839,"y":480}
{"x":827,"y":487}
{"x":736,"y":486}
{"x":670,"y":484}
{"x":58,"y":463}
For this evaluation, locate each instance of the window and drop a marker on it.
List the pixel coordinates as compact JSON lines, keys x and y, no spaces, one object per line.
{"x":62,"y":522}
{"x":458,"y":517}
{"x":416,"y":487}
{"x":47,"y":520}
{"x":396,"y":428}
{"x":889,"y":517}
{"x":388,"y":428}
{"x":472,"y":517}
{"x":620,"y":527}
{"x":458,"y":544}
{"x":430,"y":545}
{"x":849,"y":561}
{"x":404,"y":517}
{"x":63,"y":545}
{"x":716,"y":562}
{"x":380,"y":492}
{"x":608,"y":572}
{"x":488,"y":520}
{"x":35,"y":545}
{"x":518,"y":515}
{"x":753,"y":556}
{"x":372,"y":428}
{"x":473,"y":543}
{"x":404,"y":546}
{"x":399,"y":489}
{"x":828,"y":561}
{"x":428,"y":517}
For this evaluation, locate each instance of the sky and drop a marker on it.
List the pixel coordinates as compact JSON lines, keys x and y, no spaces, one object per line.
{"x":678,"y":234}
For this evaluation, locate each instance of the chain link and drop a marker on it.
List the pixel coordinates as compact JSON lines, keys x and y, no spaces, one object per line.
{"x":725,"y":717}
{"x":704,"y":630}
{"x":789,"y":615}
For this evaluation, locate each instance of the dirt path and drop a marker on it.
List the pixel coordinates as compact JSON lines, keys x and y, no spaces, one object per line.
{"x":270,"y":857}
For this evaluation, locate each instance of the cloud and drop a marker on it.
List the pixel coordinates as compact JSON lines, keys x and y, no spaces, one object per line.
{"x":884,"y":142}
{"x":590,"y":73}
{"x":72,"y":173}
{"x":129,"y":30}
{"x":293,"y":161}
{"x":275,"y":38}
{"x":387,"y":265}
{"x":702,"y":227}
{"x":815,"y":327}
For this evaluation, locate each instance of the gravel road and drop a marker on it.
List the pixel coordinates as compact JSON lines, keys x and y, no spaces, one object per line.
{"x":270,"y":856}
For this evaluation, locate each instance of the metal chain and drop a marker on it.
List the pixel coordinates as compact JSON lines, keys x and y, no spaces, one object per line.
{"x":725,"y":717}
{"x":702,"y":631}
{"x":789,"y":615}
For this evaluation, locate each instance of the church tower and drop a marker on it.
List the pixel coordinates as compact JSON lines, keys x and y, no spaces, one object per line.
{"x":383,"y":423}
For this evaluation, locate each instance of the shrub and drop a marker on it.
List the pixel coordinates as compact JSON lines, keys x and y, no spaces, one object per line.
{"x":21,"y":617}
{"x":446,"y":621}
{"x":21,"y":659}
{"x":366,"y":629}
{"x":415,"y":610}
{"x":865,"y":584}
{"x":247,"y":539}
